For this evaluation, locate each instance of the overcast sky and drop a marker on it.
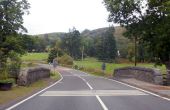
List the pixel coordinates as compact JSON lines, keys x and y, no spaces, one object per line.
{"x":59,"y":15}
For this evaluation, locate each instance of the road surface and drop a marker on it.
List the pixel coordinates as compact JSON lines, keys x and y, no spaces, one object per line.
{"x":80,"y":91}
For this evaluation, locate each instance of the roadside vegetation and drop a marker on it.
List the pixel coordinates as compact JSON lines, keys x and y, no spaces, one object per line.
{"x":17,"y":92}
{"x":93,"y":66}
{"x":35,"y":57}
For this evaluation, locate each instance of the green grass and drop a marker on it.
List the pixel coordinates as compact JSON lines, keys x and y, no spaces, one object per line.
{"x":31,"y":59}
{"x":35,"y":57}
{"x":93,"y":63}
{"x":55,"y":75}
{"x":20,"y":91}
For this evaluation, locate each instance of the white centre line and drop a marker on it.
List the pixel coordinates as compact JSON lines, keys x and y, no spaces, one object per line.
{"x":98,"y":98}
{"x":101,"y":102}
{"x":89,"y":85}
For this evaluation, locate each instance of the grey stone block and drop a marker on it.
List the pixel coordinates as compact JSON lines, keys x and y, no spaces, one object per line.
{"x":145,"y":74}
{"x":28,"y":76}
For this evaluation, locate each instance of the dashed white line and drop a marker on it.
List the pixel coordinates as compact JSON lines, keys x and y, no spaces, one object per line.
{"x":89,"y":85}
{"x":98,"y":98}
{"x":151,"y":93}
{"x":101,"y":102}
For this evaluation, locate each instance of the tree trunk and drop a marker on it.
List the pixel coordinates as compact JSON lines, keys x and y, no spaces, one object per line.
{"x":135,"y":50}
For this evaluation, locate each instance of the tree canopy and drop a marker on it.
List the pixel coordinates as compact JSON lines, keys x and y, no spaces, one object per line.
{"x":149,"y":21}
{"x":11,"y":24}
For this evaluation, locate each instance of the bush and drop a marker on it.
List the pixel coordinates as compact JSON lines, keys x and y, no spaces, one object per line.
{"x":65,"y":60}
{"x":75,"y":67}
{"x":54,"y":53}
{"x":14,"y":65}
{"x":10,"y":80}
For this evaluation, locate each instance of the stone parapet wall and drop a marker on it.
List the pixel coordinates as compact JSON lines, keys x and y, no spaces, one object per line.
{"x":30,"y":75}
{"x":144,"y":74}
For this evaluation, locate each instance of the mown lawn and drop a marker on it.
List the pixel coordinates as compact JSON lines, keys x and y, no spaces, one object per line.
{"x":35,"y":57}
{"x":93,"y":63}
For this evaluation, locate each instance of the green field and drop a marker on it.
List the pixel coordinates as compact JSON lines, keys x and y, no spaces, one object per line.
{"x":32,"y":59}
{"x":90,"y":63}
{"x":35,"y":57}
{"x":93,"y":63}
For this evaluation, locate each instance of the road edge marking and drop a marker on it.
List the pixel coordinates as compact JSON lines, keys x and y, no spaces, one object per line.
{"x":151,"y":93}
{"x":30,"y":97}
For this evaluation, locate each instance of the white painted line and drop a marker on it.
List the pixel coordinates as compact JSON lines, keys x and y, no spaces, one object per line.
{"x":19,"y":103}
{"x":101,"y":102}
{"x":94,"y":93}
{"x":91,"y":88}
{"x":89,"y":85}
{"x":98,"y":98}
{"x":81,"y":72}
{"x":82,"y":79}
{"x":151,"y":93}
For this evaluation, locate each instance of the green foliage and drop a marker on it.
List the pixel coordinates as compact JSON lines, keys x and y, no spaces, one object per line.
{"x":35,"y":57}
{"x":10,"y":80}
{"x":65,"y":60}
{"x":54,"y":53}
{"x":14,"y":65}
{"x":55,"y":75}
{"x":11,"y":23}
{"x":106,"y":46}
{"x":149,"y":21}
{"x":92,"y":64}
{"x":71,"y":43}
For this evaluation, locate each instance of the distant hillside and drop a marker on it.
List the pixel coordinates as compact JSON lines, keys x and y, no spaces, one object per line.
{"x":98,"y":32}
{"x":90,"y":33}
{"x":122,"y":42}
{"x":55,"y":35}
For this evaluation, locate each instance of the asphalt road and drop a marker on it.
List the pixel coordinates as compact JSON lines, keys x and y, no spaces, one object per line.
{"x":80,"y":91}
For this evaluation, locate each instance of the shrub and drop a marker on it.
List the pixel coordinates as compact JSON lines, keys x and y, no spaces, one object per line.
{"x":54,"y":53}
{"x":65,"y":60}
{"x":75,"y":67}
{"x":10,"y":80}
{"x":14,"y":65}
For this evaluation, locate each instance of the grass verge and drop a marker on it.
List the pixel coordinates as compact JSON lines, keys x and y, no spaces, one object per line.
{"x":92,"y":66}
{"x":20,"y":91}
{"x":35,"y":57}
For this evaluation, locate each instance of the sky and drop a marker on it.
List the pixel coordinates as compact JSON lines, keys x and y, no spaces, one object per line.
{"x":48,"y":16}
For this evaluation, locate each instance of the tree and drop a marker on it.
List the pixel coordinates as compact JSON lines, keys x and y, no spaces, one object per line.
{"x":11,"y":23}
{"x":55,"y":51}
{"x":149,"y":21}
{"x":106,"y":47}
{"x":71,"y":43}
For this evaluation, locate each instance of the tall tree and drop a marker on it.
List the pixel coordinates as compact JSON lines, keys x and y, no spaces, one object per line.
{"x":106,"y":48}
{"x":148,"y":20}
{"x":71,"y":43}
{"x":11,"y":23}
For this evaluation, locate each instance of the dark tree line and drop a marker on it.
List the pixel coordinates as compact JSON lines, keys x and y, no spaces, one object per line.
{"x":79,"y":47}
{"x":147,"y":22}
